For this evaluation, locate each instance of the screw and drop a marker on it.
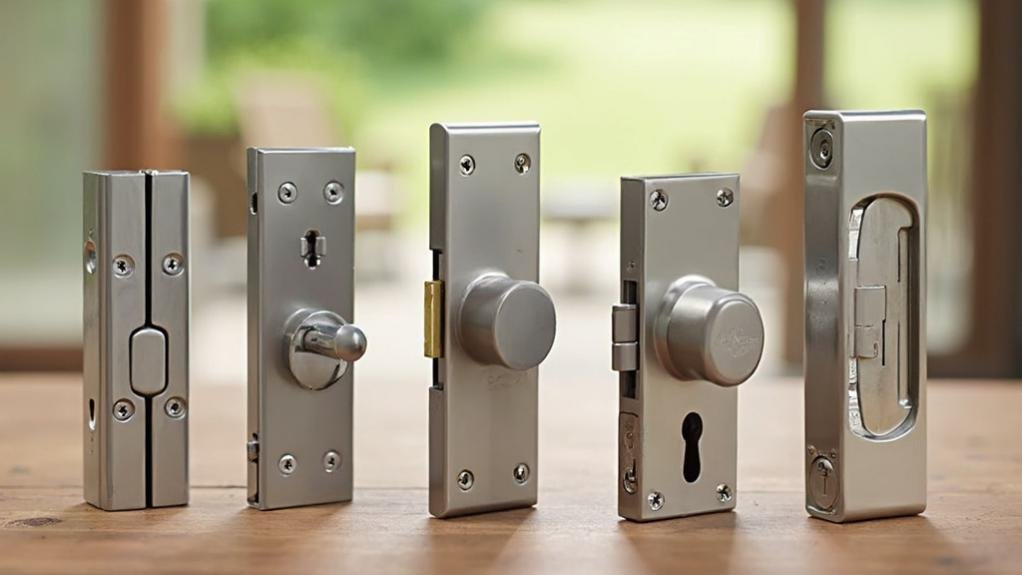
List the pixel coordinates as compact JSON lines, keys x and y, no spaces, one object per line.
{"x":725,"y":197}
{"x":658,"y":199}
{"x":628,"y":481}
{"x":287,"y":193}
{"x":287,"y":464}
{"x":522,"y":163}
{"x":333,"y":192}
{"x":123,"y":266}
{"x":175,"y":407}
{"x":173,"y":264}
{"x":521,"y":473}
{"x":821,"y":149}
{"x":123,"y":410}
{"x":331,"y":461}
{"x":724,"y":493}
{"x":811,"y":450}
{"x":468,"y":165}
{"x":466,"y":480}
{"x":656,"y":500}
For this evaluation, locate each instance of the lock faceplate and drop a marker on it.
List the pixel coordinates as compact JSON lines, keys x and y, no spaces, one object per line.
{"x":136,"y":290}
{"x":865,"y":360}
{"x":301,"y":341}
{"x":488,"y":322}
{"x":680,"y":325}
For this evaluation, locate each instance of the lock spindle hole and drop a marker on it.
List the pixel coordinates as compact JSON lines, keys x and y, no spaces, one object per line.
{"x":691,"y":432}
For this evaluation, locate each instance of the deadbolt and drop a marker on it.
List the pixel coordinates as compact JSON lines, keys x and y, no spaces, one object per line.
{"x":320,"y":345}
{"x":706,"y":332}
{"x":507,"y":322}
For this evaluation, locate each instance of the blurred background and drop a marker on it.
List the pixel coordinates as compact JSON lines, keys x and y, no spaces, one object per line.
{"x":620,"y":88}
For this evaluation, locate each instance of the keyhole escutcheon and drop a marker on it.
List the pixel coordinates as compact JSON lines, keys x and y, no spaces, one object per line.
{"x":691,"y":432}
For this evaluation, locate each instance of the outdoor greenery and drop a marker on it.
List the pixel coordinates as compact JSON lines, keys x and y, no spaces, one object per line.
{"x":642,"y":86}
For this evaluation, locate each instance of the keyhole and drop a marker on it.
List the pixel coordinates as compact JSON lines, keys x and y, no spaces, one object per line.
{"x":691,"y":431}
{"x":312,"y":255}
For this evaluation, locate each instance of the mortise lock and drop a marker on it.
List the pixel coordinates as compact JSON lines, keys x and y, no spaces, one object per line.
{"x":302,"y":341}
{"x":135,"y":369}
{"x":488,"y":324}
{"x":683,"y":338}
{"x":865,"y":180}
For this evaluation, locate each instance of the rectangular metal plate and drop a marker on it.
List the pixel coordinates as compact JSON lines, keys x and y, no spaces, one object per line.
{"x":132,"y":223}
{"x":874,"y":155}
{"x":691,"y":235}
{"x":482,"y":418}
{"x":283,"y":417}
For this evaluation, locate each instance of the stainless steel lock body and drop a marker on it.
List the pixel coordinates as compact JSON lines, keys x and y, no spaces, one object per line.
{"x":301,"y":339}
{"x":488,"y":323}
{"x":865,"y":356}
{"x":683,"y":338}
{"x":135,"y":369}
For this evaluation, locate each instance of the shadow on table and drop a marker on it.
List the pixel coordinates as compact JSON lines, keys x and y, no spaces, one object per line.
{"x":697,"y":544}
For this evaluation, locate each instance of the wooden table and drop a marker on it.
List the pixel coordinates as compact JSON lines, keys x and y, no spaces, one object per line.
{"x":973,"y":524}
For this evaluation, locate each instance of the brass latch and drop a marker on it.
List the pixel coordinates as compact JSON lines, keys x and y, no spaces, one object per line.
{"x":433,"y":338}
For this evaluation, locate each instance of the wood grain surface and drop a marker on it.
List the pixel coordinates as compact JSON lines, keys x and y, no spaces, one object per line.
{"x":973,"y":523}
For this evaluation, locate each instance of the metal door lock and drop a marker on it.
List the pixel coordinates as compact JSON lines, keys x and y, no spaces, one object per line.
{"x":865,"y":360}
{"x":136,"y":290}
{"x":683,"y":338}
{"x":302,"y":341}
{"x":488,"y":324}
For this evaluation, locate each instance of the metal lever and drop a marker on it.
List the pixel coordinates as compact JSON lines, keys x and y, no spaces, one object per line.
{"x":321,"y":344}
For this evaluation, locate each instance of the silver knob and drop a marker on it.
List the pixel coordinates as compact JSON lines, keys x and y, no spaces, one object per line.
{"x":507,"y":322}
{"x":707,"y":332}
{"x":320,"y":345}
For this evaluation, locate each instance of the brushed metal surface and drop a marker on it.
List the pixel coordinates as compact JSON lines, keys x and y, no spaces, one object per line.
{"x":285,"y":418}
{"x":141,"y":218}
{"x":676,"y":237}
{"x":484,"y":219}
{"x":865,"y":392}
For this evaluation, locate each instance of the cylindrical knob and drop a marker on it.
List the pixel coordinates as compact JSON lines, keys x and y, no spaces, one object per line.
{"x":706,"y":332}
{"x":320,"y":345}
{"x":507,"y":322}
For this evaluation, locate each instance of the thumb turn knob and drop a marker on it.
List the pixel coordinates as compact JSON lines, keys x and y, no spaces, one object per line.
{"x":507,"y":322}
{"x":320,"y":345}
{"x":706,"y":332}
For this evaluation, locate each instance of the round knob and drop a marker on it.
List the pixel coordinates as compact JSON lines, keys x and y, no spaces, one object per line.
{"x":706,"y":332}
{"x":320,"y":345}
{"x":507,"y":322}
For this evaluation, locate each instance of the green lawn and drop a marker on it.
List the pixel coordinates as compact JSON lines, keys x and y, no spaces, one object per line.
{"x":659,"y":86}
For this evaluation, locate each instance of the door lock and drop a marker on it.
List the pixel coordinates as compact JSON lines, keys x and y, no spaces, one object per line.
{"x":136,"y":339}
{"x":302,"y":341}
{"x":865,"y":360}
{"x":683,"y":338}
{"x":488,"y":323}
